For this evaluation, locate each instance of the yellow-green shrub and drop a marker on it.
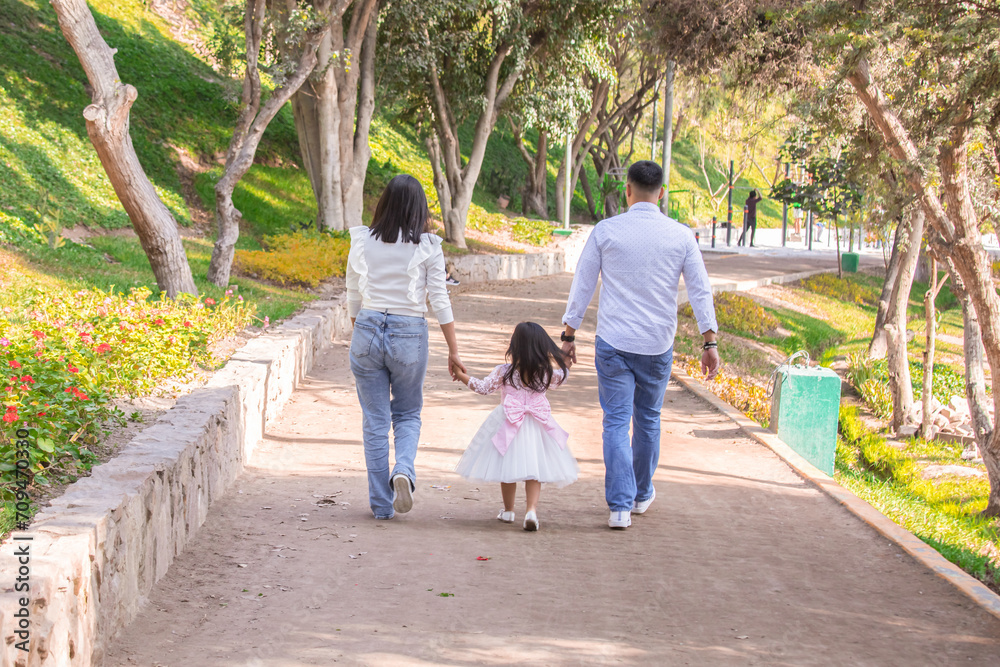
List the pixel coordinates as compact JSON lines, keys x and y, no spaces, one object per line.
{"x":748,"y":398}
{"x":739,"y":314}
{"x":302,"y":258}
{"x":841,"y":289}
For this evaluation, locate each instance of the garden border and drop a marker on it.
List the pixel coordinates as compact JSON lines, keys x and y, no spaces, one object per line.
{"x":910,"y":543}
{"x":99,"y":548}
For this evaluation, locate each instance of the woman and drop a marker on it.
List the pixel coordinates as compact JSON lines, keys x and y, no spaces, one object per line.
{"x":392,"y":269}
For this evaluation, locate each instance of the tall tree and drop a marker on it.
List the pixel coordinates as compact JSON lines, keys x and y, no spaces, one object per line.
{"x":918,"y":69}
{"x":460,"y":61}
{"x":307,"y":31}
{"x":548,"y":98}
{"x":333,"y":109}
{"x":107,"y":119}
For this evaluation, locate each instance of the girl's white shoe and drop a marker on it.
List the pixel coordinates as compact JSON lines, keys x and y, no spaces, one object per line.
{"x":505,"y":516}
{"x":530,"y":521}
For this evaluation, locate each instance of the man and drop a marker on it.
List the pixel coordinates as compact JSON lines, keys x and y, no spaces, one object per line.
{"x":750,"y":217}
{"x":640,"y":256}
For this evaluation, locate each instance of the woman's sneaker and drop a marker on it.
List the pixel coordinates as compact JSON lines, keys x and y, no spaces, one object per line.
{"x":402,"y":494}
{"x":641,"y":507}
{"x":620,"y":519}
{"x":505,"y":516}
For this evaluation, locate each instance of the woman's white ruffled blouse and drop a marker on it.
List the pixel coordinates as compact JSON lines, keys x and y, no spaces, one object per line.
{"x":398,"y":277}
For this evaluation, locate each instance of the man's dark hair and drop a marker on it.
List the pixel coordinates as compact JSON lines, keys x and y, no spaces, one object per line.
{"x":401,"y":210}
{"x":645,"y":175}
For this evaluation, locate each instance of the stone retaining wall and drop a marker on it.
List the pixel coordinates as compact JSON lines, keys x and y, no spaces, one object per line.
{"x":99,"y":548}
{"x":484,"y":268}
{"x":97,"y":551}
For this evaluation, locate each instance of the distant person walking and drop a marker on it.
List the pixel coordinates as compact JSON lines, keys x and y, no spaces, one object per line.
{"x":750,"y":217}
{"x":640,"y":257}
{"x":392,"y":269}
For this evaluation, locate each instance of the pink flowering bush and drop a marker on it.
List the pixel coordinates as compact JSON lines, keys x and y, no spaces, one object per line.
{"x":64,"y":355}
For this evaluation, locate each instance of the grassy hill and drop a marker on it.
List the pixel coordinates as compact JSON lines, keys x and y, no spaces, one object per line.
{"x":50,"y":173}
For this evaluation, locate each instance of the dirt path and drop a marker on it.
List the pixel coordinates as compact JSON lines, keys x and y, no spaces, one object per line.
{"x":738,"y":561}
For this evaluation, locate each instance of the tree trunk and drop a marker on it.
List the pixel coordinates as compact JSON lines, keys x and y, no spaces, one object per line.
{"x":840,"y":261}
{"x":333,"y":117}
{"x":250,"y":126}
{"x":876,"y":349}
{"x":975,"y":378}
{"x":456,"y":198}
{"x":930,"y":331}
{"x":107,"y":119}
{"x":588,"y":194}
{"x":895,"y":324}
{"x":953,"y":218}
{"x":534,"y":198}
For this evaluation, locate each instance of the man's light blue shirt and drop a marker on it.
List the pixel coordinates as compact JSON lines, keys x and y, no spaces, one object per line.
{"x":640,"y":257}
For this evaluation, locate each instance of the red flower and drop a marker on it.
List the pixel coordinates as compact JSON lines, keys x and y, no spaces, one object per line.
{"x":102,"y":348}
{"x":14,"y":363}
{"x":72,"y":369}
{"x":10,"y":388}
{"x":11,"y":408}
{"x":82,"y":396}
{"x":28,"y":379}
{"x":24,"y":387}
{"x":187,"y":324}
{"x":41,"y":414}
{"x":158,"y":320}
{"x":10,"y":417}
{"x":38,"y":334}
{"x":209,"y":301}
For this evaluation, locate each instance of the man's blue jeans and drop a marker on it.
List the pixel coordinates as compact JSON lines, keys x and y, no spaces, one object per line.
{"x":631,"y":387}
{"x":389,"y":362}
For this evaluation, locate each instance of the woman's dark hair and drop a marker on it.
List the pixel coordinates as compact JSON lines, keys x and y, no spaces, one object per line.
{"x":401,"y":208}
{"x":531,"y":354}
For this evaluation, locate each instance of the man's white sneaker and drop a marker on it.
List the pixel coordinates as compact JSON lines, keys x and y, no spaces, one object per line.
{"x":505,"y":516}
{"x":402,"y":494}
{"x":620,"y":520}
{"x":641,"y":507}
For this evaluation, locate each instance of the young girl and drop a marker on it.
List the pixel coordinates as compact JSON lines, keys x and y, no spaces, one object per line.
{"x":520,"y":441}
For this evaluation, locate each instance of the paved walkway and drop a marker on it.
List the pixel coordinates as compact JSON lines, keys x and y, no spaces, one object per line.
{"x":738,"y":562}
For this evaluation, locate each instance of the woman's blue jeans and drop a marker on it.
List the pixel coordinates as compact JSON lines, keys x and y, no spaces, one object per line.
{"x":389,"y":362}
{"x":631,"y":388}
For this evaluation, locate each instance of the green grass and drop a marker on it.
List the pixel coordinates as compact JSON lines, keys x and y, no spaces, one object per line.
{"x":943,"y":513}
{"x":44,"y":148}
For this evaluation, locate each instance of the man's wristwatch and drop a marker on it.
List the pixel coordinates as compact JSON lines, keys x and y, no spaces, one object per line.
{"x":567,"y":339}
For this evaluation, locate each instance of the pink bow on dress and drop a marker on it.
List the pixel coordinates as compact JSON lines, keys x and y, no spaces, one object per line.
{"x":517,"y":403}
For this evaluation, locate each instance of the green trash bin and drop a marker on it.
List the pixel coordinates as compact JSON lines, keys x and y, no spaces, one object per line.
{"x":805,"y":405}
{"x":850,"y":261}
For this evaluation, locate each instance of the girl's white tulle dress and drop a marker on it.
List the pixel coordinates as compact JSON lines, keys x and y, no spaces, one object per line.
{"x":519,"y":440}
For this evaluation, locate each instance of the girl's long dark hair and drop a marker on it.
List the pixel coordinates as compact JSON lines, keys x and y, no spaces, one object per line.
{"x":401,"y":208}
{"x":531,"y":354}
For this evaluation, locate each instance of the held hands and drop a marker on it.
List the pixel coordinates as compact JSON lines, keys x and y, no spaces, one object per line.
{"x":457,"y":369}
{"x":569,"y":353}
{"x":710,"y":363}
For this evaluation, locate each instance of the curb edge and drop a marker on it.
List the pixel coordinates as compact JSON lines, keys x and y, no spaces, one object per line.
{"x":910,"y":543}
